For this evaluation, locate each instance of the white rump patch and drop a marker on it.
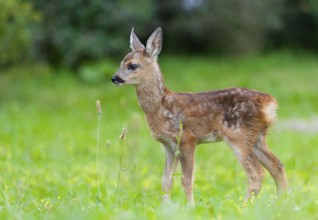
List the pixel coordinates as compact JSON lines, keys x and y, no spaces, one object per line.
{"x":270,"y":111}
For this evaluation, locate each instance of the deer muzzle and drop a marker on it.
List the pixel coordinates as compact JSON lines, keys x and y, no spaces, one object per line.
{"x":117,"y":80}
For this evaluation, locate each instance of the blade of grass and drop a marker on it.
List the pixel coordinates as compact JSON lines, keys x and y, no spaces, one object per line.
{"x":99,"y":112}
{"x":121,"y":146}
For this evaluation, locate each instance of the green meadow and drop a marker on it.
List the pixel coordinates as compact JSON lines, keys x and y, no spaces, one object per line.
{"x":51,"y":166}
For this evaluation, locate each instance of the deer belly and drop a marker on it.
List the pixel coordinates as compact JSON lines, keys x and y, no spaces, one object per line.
{"x":213,"y":136}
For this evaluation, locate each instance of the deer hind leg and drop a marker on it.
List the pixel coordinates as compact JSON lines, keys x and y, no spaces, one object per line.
{"x":253,"y":169}
{"x":271,"y":163}
{"x":170,"y":168}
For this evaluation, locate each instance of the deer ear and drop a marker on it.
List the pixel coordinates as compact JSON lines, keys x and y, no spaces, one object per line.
{"x":154,"y":43}
{"x":135,"y":42}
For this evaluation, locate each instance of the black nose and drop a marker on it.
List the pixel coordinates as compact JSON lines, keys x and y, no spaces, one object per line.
{"x":117,"y":80}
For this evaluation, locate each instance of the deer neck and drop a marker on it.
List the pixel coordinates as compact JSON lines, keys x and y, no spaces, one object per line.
{"x":151,"y":92}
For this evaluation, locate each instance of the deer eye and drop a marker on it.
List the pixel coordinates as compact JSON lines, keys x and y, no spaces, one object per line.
{"x":132,"y":66}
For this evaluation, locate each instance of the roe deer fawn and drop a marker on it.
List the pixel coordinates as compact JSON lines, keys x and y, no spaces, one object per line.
{"x":238,"y":116}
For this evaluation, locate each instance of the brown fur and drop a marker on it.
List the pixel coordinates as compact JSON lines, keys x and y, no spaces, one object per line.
{"x":238,"y":116}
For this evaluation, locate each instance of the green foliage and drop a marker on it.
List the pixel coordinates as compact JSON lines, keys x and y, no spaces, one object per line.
{"x":300,"y":25}
{"x":75,"y":31}
{"x":16,"y":18}
{"x":232,"y":27}
{"x":48,"y":145}
{"x":72,"y":32}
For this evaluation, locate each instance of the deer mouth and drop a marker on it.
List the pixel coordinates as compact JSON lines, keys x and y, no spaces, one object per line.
{"x":117,"y":80}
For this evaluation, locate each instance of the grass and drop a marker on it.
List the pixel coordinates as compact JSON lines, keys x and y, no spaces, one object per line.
{"x":48,"y":144}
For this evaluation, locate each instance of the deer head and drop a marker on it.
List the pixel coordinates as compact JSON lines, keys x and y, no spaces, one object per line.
{"x":139,"y":65}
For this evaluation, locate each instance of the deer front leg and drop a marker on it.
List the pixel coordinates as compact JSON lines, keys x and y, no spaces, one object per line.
{"x":187,"y":166}
{"x":167,"y":178}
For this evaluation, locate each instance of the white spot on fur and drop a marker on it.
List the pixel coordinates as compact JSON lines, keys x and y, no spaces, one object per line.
{"x":237,"y":125}
{"x":237,"y":114}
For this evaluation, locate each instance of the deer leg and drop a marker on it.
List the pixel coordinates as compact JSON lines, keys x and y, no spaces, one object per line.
{"x":255,"y":175}
{"x":187,"y":166}
{"x":271,"y":163}
{"x":253,"y":169}
{"x":167,"y":178}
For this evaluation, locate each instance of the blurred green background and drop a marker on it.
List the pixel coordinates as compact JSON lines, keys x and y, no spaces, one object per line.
{"x":70,"y":33}
{"x":56,"y":60}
